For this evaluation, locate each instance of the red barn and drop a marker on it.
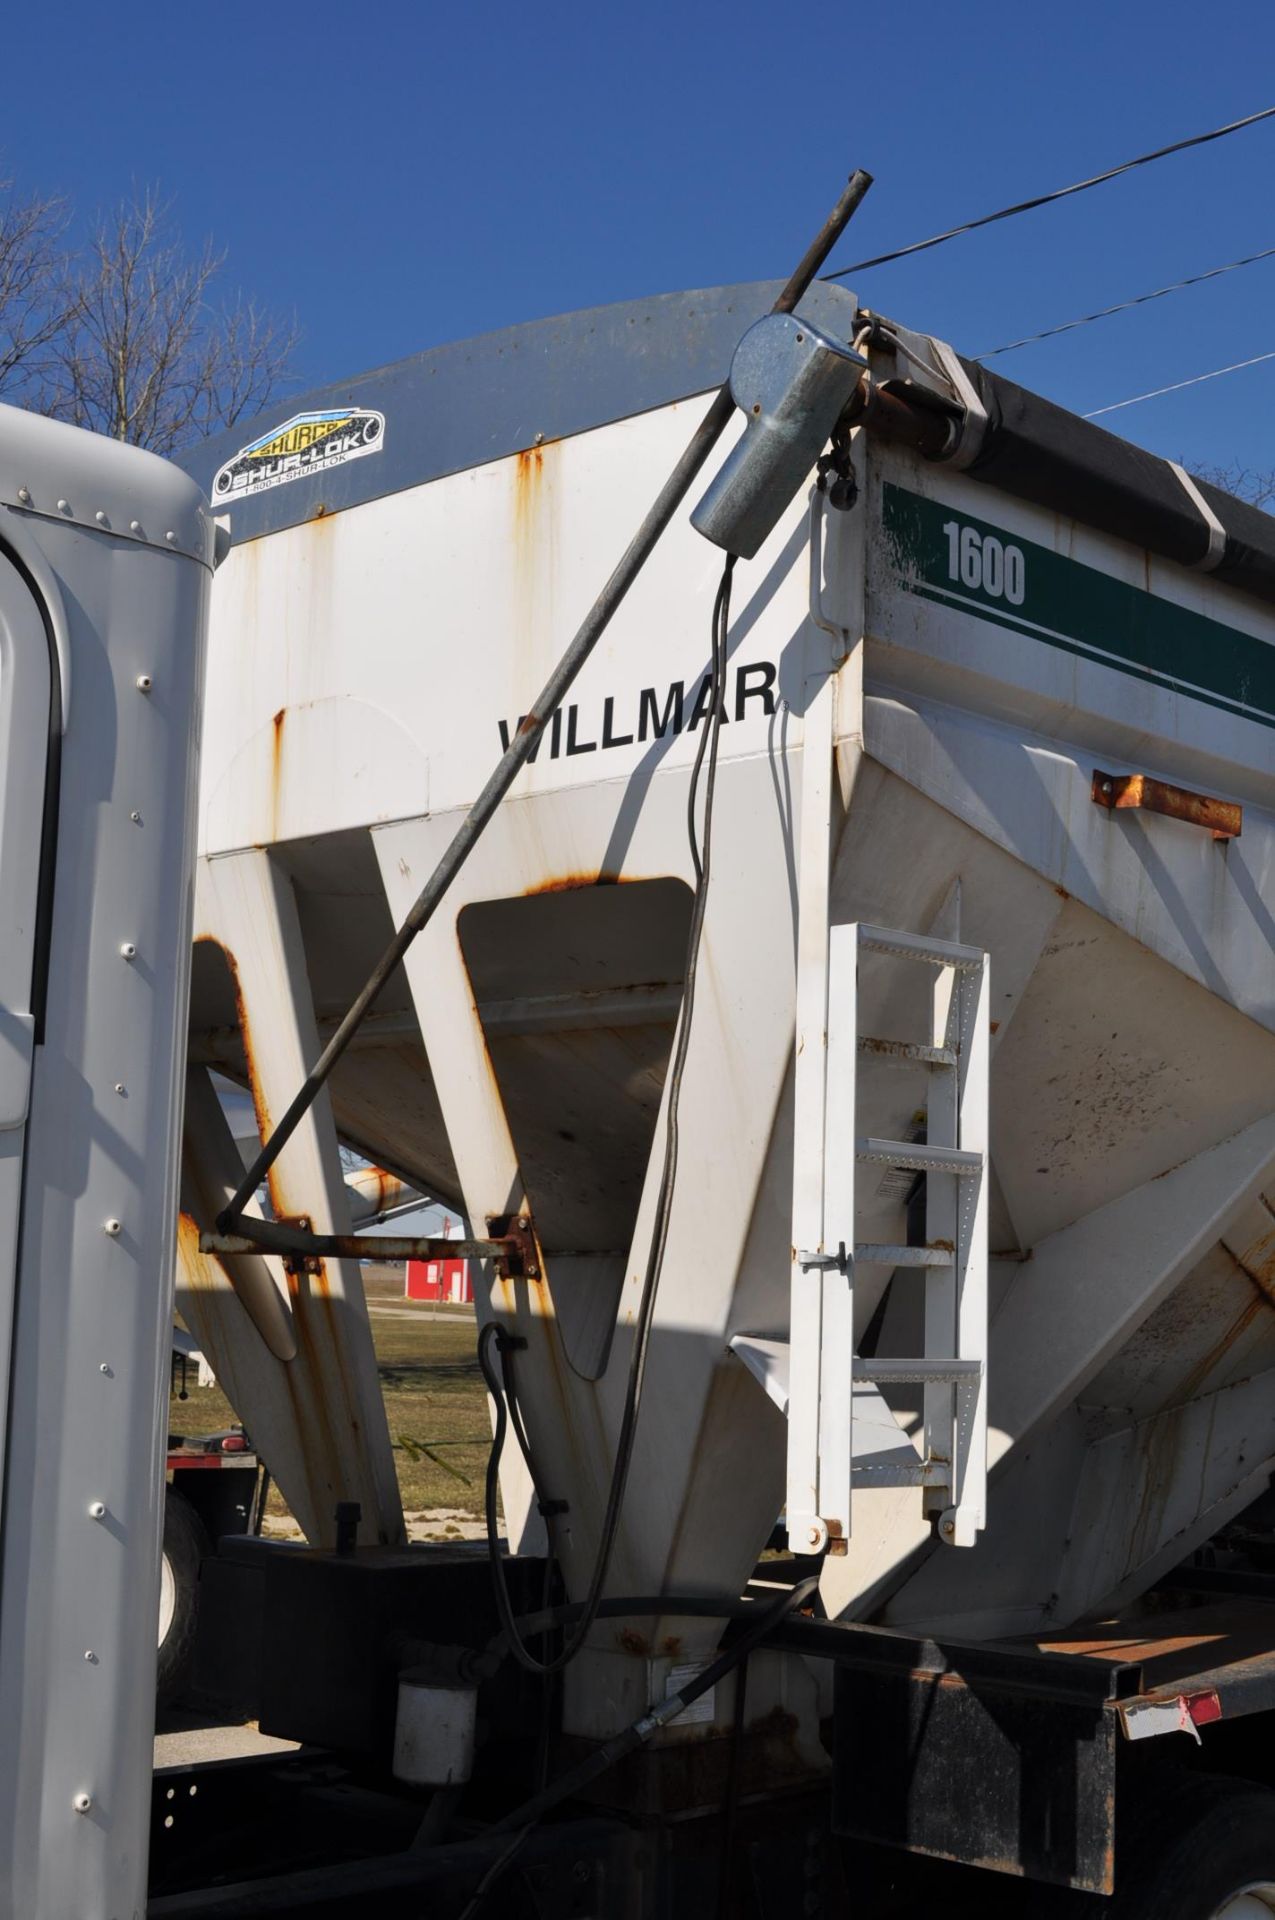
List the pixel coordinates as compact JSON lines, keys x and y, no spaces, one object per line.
{"x":439,"y":1280}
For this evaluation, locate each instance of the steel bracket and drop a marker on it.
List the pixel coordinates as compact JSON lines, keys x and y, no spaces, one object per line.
{"x":519,"y":1256}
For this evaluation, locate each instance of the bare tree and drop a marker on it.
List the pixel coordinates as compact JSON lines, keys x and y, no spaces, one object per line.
{"x":143,"y":354}
{"x":32,"y":306}
{"x":1255,"y":484}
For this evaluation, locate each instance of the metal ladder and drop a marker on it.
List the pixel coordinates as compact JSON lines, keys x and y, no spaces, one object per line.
{"x":841,"y":1432}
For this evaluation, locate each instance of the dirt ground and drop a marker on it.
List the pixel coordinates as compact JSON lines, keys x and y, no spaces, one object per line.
{"x":435,"y":1404}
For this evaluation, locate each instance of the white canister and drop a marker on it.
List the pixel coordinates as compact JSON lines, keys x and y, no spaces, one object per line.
{"x":434,"y":1732}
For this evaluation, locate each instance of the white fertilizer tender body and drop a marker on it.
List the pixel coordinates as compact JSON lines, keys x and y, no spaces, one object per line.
{"x":966,"y":1274}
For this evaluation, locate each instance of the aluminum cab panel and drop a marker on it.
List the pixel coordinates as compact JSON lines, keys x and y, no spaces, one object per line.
{"x":78,"y":1598}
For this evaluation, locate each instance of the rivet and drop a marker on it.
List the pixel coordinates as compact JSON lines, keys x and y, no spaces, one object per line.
{"x":111,"y":1227}
{"x":135,"y":817}
{"x":100,"y":517}
{"x":120,"y":1088}
{"x":82,"y":1802}
{"x":134,"y":526}
{"x":90,"y":1656}
{"x":128,"y":950}
{"x":24,"y":494}
{"x":171,"y":537}
{"x":103,"y":1368}
{"x":64,"y":506}
{"x":144,"y":683}
{"x":97,"y":1510}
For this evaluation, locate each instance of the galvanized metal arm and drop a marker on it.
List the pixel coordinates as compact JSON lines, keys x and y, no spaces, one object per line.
{"x":551,"y":697}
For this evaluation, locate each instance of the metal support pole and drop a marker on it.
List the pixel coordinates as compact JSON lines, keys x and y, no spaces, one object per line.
{"x":519,"y":750}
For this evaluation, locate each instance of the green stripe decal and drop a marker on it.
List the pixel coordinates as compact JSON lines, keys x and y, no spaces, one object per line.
{"x":952,"y":559}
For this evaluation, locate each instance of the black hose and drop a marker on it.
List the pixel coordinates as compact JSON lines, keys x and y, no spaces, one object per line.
{"x":508,"y":1414}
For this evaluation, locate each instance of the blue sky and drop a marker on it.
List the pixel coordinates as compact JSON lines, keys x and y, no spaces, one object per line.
{"x":403,"y":174}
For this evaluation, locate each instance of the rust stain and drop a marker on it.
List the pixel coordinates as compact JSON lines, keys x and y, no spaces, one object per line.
{"x":276,"y":768}
{"x":1218,"y":1352}
{"x":569,"y":882}
{"x":387,"y":1187}
{"x":262,"y":1111}
{"x":631,"y":1641}
{"x":1258,"y":1262}
{"x":671,"y":1645}
{"x":1223,"y":818}
{"x":529,"y":490}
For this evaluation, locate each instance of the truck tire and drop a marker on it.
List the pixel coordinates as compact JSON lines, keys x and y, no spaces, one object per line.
{"x":185,"y":1544}
{"x":1206,"y":1851}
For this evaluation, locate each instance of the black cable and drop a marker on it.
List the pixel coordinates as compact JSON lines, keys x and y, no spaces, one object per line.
{"x":717,"y":677}
{"x":1059,"y":193}
{"x":700,"y":855}
{"x":1123,"y":306}
{"x":493,"y":1873}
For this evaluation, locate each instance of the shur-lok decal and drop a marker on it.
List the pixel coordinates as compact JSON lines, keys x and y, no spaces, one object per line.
{"x":655,"y":712}
{"x":956,"y":561}
{"x":308,"y":443}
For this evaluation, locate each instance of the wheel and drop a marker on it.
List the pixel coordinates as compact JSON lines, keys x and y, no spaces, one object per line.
{"x":1205,"y":1851}
{"x":185,"y":1544}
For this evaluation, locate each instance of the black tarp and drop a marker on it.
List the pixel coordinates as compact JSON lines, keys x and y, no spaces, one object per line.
{"x":1039,"y":452}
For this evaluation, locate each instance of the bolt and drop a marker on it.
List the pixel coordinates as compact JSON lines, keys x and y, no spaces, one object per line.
{"x":64,"y":506}
{"x":100,"y":517}
{"x":120,"y":1088}
{"x":813,"y":1536}
{"x":112,"y":1227}
{"x":134,"y":526}
{"x":533,"y":1273}
{"x":144,"y":683}
{"x":97,"y":1510}
{"x":522,"y":1225}
{"x":90,"y":1656}
{"x":949,"y":1528}
{"x":1106,"y":786}
{"x":103,"y":1368}
{"x":24,"y":494}
{"x":135,"y":817}
{"x":82,"y":1802}
{"x":127,"y":950}
{"x":171,"y":537}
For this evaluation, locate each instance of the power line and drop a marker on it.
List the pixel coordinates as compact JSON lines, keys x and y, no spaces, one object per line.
{"x":1122,"y":306}
{"x":1059,"y":193}
{"x":1178,"y":385}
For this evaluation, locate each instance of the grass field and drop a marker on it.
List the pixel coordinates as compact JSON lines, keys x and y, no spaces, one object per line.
{"x":435,"y":1401}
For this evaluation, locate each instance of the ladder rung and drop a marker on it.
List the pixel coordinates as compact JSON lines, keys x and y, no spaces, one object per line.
{"x":876,"y":1255}
{"x":893,"y":1473}
{"x":915,"y":946}
{"x":907,"y":1153}
{"x":895,"y":1373}
{"x":906,"y":1050}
